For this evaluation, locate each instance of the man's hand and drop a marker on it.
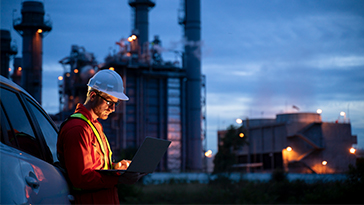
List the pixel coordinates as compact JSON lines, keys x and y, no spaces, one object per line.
{"x":122,"y":165}
{"x":130,"y":177}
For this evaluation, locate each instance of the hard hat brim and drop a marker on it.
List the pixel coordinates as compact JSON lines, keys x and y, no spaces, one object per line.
{"x":120,"y":96}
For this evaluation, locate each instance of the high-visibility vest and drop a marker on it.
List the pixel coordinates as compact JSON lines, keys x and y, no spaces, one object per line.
{"x":107,"y":159}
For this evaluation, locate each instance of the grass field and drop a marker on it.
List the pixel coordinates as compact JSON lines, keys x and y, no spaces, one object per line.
{"x":244,"y":192}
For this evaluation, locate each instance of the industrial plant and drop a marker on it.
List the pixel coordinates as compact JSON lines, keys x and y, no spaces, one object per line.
{"x":164,"y":96}
{"x":295,"y":143}
{"x":167,"y":99}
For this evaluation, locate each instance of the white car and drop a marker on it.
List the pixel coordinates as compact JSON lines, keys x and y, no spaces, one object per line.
{"x":28,"y":154}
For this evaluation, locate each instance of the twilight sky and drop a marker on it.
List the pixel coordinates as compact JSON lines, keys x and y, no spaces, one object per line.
{"x":260,"y":57}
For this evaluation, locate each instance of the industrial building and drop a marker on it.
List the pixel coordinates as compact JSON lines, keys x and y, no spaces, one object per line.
{"x":167,"y":99}
{"x":296,"y":143}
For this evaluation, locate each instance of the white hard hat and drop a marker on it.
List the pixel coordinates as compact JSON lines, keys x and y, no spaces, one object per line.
{"x":109,"y":82}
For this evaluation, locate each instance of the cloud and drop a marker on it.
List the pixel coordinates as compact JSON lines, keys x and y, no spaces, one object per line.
{"x":259,"y":57}
{"x":336,"y":62}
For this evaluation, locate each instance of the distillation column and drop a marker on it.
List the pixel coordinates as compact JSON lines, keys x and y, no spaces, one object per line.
{"x":32,"y":27}
{"x":192,"y":65}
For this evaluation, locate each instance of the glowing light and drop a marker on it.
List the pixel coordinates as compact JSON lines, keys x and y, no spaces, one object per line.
{"x":9,"y":69}
{"x":342,"y":113}
{"x":318,"y":111}
{"x":208,"y":153}
{"x":239,"y":121}
{"x":39,"y":31}
{"x":76,"y":71}
{"x":289,"y":149}
{"x":352,"y":150}
{"x":132,"y":38}
{"x":68,"y":75}
{"x":111,"y":68}
{"x":324,"y":163}
{"x":241,"y":135}
{"x":60,"y":77}
{"x":19,"y":69}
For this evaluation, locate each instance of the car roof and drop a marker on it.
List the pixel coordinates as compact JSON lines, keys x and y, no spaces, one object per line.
{"x":15,"y":86}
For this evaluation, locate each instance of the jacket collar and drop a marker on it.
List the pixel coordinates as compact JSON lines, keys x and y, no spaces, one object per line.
{"x":80,"y":108}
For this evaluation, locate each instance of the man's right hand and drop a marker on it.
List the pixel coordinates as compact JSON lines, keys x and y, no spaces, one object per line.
{"x":130,"y":177}
{"x":122,"y":165}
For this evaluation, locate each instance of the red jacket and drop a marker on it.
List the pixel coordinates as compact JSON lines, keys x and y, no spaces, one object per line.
{"x":80,"y":153}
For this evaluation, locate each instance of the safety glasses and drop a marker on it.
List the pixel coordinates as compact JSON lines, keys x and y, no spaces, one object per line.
{"x":108,"y":102}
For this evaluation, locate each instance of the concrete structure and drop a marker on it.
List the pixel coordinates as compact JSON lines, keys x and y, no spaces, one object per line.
{"x":297,"y":143}
{"x":32,"y":27}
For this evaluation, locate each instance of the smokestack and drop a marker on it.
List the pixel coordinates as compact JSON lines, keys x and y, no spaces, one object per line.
{"x":6,"y":51}
{"x":141,"y":21}
{"x":32,"y":28}
{"x":192,"y":64}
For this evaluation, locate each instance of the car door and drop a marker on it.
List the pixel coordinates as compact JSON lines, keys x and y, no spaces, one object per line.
{"x":33,"y":135}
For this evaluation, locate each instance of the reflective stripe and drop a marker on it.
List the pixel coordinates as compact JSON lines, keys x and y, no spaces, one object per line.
{"x":107,"y":160}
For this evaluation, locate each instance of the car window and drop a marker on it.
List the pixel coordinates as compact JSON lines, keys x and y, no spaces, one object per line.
{"x":49,"y":132}
{"x":7,"y":135}
{"x":20,"y":126}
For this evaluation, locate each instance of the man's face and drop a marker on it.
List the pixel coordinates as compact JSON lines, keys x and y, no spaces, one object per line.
{"x":104,"y":105}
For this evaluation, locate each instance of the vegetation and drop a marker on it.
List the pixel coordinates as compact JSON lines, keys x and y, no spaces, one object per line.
{"x":225,"y":158}
{"x":277,"y":191}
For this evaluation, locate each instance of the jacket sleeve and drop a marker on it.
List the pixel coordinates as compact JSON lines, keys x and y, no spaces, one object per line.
{"x":78,"y":161}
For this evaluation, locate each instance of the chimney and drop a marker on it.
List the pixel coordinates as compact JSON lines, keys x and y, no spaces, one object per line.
{"x":192,"y":64}
{"x":32,"y":28}
{"x":141,"y":21}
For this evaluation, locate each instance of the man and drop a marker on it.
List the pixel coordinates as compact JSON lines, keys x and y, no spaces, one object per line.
{"x":83,"y":148}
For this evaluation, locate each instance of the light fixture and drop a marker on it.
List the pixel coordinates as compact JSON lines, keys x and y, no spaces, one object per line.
{"x":324,"y":163}
{"x":289,"y":149}
{"x":208,"y":153}
{"x":352,"y":150}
